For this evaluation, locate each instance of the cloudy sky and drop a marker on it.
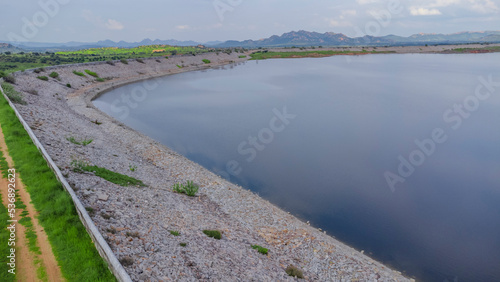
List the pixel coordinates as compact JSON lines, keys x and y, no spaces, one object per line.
{"x":207,"y":20}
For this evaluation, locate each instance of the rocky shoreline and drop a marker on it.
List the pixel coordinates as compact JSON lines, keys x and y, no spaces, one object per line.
{"x":136,"y":221}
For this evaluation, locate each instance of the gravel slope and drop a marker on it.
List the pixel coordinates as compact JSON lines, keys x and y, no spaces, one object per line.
{"x":136,"y":221}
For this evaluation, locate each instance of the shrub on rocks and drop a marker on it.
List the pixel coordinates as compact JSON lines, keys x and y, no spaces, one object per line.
{"x":213,"y":234}
{"x":293,"y":271}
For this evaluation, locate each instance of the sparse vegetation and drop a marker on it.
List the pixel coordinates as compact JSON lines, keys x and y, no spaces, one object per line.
{"x":110,"y":63}
{"x":260,"y":249}
{"x":132,"y":234}
{"x":79,"y":73}
{"x":111,"y":230}
{"x":189,"y":188}
{"x":91,"y":73}
{"x":100,"y":79}
{"x":132,"y":167}
{"x":68,"y":85}
{"x":83,"y":142}
{"x":32,"y":91}
{"x":206,"y":61}
{"x":213,"y":234}
{"x":44,"y":78}
{"x":10,"y":79}
{"x":183,"y":244}
{"x":126,"y":261}
{"x":90,"y":210}
{"x":124,"y":61}
{"x":242,"y":56}
{"x":72,"y":246}
{"x":179,"y":66}
{"x":13,"y":95}
{"x":262,"y":55}
{"x":175,"y":233}
{"x":111,"y":176}
{"x":294,"y":272}
{"x":54,"y":74}
{"x":140,"y":61}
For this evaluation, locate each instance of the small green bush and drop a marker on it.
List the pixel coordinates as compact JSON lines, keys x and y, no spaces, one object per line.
{"x":100,"y":79}
{"x":124,"y":61}
{"x":91,"y":73}
{"x":189,"y":188}
{"x":183,"y":244}
{"x":32,"y":91}
{"x":206,"y":61}
{"x":68,"y":85}
{"x":261,"y":250}
{"x":213,"y":234}
{"x":78,"y":73}
{"x":44,"y":78}
{"x":10,"y":79}
{"x":242,"y":56}
{"x":54,"y":74}
{"x":132,"y":234}
{"x":111,"y":176}
{"x":175,"y":233}
{"x":13,"y":95}
{"x":83,"y":142}
{"x":294,"y":271}
{"x":132,"y":167}
{"x":126,"y":261}
{"x":179,"y":66}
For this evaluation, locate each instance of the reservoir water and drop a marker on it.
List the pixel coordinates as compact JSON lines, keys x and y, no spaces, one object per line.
{"x":396,"y":155}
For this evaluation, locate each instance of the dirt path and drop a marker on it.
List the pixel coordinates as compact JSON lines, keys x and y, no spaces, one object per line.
{"x":25,"y":266}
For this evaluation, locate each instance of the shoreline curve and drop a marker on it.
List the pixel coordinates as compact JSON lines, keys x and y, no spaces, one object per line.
{"x":244,"y":218}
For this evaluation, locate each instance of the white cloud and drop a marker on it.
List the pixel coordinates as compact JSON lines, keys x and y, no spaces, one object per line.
{"x":114,"y":25}
{"x":347,"y":13}
{"x":182,"y":27}
{"x":364,"y":2}
{"x":416,"y":11}
{"x":110,"y":24}
{"x":444,"y":3}
{"x":483,"y":6}
{"x":336,"y":23}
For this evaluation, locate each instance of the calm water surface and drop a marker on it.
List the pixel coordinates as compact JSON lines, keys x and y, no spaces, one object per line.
{"x":353,"y":119}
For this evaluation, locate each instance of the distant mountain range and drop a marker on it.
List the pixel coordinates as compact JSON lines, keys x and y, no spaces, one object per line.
{"x":5,"y":47}
{"x":306,"y":38}
{"x":294,"y":38}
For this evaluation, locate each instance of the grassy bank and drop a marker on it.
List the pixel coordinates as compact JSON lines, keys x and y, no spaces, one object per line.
{"x":72,"y":246}
{"x":490,"y":49}
{"x":4,"y":232}
{"x":309,"y":54}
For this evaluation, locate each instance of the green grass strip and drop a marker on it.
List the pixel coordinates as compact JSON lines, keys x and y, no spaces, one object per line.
{"x":4,"y":248}
{"x":307,"y":54}
{"x":4,"y":166}
{"x":72,"y":246}
{"x":114,"y":177}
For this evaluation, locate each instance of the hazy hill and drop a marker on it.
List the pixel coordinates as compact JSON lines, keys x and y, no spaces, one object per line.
{"x":306,"y":38}
{"x":5,"y":47}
